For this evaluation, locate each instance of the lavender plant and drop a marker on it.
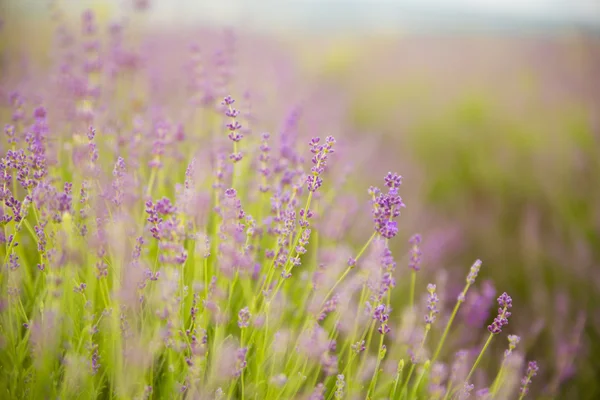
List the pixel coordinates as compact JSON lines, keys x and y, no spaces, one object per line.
{"x":144,"y":258}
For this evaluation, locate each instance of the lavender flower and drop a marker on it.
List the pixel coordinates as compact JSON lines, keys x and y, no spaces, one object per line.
{"x":386,"y":206}
{"x":381,"y":314}
{"x":473,"y":272}
{"x":415,"y":252}
{"x":264,"y":163}
{"x":532,"y":370}
{"x":358,"y":347}
{"x":244,"y":317}
{"x":513,"y":341}
{"x":240,"y":360}
{"x":329,"y":307}
{"x":501,"y":320}
{"x":432,"y":300}
{"x":318,"y":392}
{"x":483,"y":393}
{"x":234,"y":128}
{"x":321,"y":154}
{"x":13,"y":262}
{"x":339,"y":387}
{"x":465,"y":391}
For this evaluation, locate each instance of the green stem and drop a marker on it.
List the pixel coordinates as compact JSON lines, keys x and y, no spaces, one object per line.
{"x":498,"y":380}
{"x":459,"y":301}
{"x":448,"y":389}
{"x":479,"y":357}
{"x":151,"y":181}
{"x":376,"y":372}
{"x":413,"y":392}
{"x":398,"y":377}
{"x":413,"y":281}
{"x":350,"y":268}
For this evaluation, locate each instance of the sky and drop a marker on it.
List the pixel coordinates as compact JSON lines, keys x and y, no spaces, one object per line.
{"x":301,"y":12}
{"x":355,"y":14}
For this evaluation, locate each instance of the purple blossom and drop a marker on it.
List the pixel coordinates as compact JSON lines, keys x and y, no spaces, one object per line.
{"x":415,"y":252}
{"x":9,"y":131}
{"x":386,"y":207}
{"x":95,"y":363}
{"x":318,"y":393}
{"x":483,"y":393}
{"x":432,"y":300}
{"x":381,"y":314}
{"x":465,"y":391}
{"x":321,"y":154}
{"x":240,"y":360}
{"x":13,"y":262}
{"x":329,"y":307}
{"x":393,"y":180}
{"x":501,"y":320}
{"x":513,"y":341}
{"x":244,"y":317}
{"x":358,"y":347}
{"x":532,"y":370}
{"x":473,"y":272}
{"x":234,"y":127}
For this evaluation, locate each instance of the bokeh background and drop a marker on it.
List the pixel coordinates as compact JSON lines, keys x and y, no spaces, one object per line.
{"x":490,"y":110}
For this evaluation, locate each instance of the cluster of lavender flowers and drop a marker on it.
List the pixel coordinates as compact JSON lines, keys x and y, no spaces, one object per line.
{"x":175,"y":267}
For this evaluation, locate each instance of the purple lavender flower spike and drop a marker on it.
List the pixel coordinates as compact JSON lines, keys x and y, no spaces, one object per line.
{"x":532,"y":370}
{"x":234,"y":127}
{"x":244,"y":317}
{"x":321,"y":154}
{"x":415,"y":252}
{"x":473,"y":272}
{"x":501,"y":320}
{"x":386,"y":207}
{"x":432,"y":300}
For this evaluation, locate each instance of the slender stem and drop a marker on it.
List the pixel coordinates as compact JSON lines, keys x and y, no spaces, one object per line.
{"x":479,"y":357}
{"x":448,"y":389}
{"x":413,"y":281}
{"x":151,"y":181}
{"x":293,"y":250}
{"x":413,"y":392}
{"x":412,"y":367}
{"x":498,"y":380}
{"x":367,"y":345}
{"x":350,"y":268}
{"x":398,"y":376}
{"x":449,"y":324}
{"x":376,"y":372}
{"x":410,"y":372}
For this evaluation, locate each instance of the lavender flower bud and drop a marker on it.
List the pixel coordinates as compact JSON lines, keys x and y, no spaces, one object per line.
{"x":473,"y":272}
{"x":513,"y":341}
{"x":386,"y":207}
{"x":432,"y":301}
{"x":505,"y":303}
{"x":532,"y":370}
{"x":465,"y":391}
{"x":244,"y":317}
{"x":415,"y":252}
{"x":339,"y":385}
{"x":321,"y":153}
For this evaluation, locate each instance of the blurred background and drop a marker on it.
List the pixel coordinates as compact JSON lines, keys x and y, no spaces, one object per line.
{"x":489,"y":108}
